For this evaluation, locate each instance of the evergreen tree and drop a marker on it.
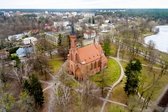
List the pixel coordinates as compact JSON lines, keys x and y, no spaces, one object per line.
{"x":132,"y":72}
{"x":33,"y":86}
{"x":27,"y":86}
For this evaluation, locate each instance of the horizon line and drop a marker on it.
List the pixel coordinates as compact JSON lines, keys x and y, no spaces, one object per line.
{"x":83,"y":8}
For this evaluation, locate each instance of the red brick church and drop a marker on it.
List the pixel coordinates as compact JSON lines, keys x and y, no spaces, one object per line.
{"x":85,"y":61}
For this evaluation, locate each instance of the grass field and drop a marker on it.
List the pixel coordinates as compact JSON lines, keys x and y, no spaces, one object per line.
{"x":55,"y":63}
{"x":115,"y":108}
{"x":114,"y":50}
{"x":110,"y":75}
{"x":146,"y":79}
{"x":118,"y":94}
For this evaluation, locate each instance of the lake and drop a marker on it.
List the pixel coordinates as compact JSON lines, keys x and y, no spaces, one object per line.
{"x":160,"y":39}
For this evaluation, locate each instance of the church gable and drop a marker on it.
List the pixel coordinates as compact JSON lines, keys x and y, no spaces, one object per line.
{"x":86,"y":60}
{"x":88,"y":54}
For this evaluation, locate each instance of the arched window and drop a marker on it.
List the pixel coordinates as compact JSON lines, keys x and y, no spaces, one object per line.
{"x":95,"y":64}
{"x":99,"y":63}
{"x":91,"y":66}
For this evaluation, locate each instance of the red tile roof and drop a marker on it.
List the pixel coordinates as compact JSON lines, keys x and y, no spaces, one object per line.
{"x":89,"y":53}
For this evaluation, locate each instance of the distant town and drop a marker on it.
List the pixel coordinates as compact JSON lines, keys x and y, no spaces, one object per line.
{"x":83,"y":60}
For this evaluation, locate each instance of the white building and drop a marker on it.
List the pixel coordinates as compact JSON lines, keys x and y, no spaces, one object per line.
{"x":16,"y":37}
{"x":64,"y":24}
{"x":106,"y":27}
{"x":29,"y":40}
{"x":89,"y":34}
{"x":52,"y":37}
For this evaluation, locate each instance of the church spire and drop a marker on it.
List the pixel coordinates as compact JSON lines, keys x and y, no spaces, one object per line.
{"x":73,"y":41}
{"x":72,"y":29}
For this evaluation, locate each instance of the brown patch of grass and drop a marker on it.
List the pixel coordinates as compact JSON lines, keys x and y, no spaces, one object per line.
{"x":118,"y":94}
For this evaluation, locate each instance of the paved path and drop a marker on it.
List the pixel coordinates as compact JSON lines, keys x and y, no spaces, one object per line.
{"x":154,"y":67}
{"x":114,"y":102}
{"x":52,"y":87}
{"x":116,"y":83}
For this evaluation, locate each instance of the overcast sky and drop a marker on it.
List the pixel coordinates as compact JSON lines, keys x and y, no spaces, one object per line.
{"x":56,"y":4}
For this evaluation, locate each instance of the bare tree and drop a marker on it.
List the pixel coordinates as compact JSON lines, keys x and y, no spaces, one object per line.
{"x":62,"y":98}
{"x":26,"y":103}
{"x":45,"y":46}
{"x":3,"y":77}
{"x":87,"y":97}
{"x":19,"y":76}
{"x":40,"y":65}
{"x":149,"y":90}
{"x":152,"y":55}
{"x":7,"y":100}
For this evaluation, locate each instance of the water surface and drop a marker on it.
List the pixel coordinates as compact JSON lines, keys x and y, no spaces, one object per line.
{"x":160,"y":39}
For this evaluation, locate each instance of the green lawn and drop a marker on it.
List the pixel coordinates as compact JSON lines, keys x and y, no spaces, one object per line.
{"x":71,"y":83}
{"x":114,"y":50}
{"x":110,"y":75}
{"x":115,"y":108}
{"x":68,"y":80}
{"x":118,"y":93}
{"x":55,"y":63}
{"x":146,"y":78}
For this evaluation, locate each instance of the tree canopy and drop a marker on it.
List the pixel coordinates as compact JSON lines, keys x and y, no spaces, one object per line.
{"x":34,"y":88}
{"x":132,"y":72}
{"x":43,"y":45}
{"x":106,"y":46}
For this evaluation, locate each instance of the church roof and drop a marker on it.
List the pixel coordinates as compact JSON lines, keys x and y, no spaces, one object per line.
{"x":89,"y":53}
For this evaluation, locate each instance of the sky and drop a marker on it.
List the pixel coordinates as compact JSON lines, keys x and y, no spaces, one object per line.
{"x":61,"y":4}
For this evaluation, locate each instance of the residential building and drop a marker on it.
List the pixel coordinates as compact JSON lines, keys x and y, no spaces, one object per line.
{"x":89,"y":34}
{"x":29,"y":40}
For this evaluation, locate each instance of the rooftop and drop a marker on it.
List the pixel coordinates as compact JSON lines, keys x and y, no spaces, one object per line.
{"x":89,"y":53}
